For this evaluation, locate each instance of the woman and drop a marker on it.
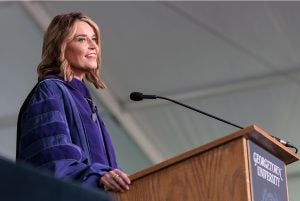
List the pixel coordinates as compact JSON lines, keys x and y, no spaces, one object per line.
{"x":59,"y":128}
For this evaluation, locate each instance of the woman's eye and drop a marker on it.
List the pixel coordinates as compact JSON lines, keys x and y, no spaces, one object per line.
{"x":94,"y":39}
{"x":81,"y":39}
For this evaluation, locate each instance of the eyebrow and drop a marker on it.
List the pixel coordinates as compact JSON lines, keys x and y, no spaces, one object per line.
{"x":84,"y":35}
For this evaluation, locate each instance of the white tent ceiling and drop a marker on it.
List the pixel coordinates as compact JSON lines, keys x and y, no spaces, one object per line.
{"x":237,"y":60}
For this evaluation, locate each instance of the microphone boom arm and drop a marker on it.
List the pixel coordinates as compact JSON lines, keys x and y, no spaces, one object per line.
{"x":138,"y":96}
{"x":287,"y":144}
{"x":202,"y":112}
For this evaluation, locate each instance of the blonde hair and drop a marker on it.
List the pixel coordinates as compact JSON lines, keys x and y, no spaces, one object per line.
{"x":59,"y":33}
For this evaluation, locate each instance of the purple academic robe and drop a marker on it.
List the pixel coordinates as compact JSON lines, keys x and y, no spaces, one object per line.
{"x":59,"y":129}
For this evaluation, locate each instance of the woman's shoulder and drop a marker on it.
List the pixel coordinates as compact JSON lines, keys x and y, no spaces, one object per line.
{"x":51,"y":82}
{"x":50,"y":87}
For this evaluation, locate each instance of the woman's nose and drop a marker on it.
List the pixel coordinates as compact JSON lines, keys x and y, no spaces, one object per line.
{"x":92,"y":44}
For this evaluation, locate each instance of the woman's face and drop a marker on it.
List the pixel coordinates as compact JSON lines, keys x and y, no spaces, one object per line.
{"x":83,"y":51}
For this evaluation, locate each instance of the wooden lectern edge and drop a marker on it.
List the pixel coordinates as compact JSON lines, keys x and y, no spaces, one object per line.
{"x":263,"y":139}
{"x":253,"y":132}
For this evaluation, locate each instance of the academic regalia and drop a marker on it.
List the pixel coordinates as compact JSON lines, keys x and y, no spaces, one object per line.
{"x":59,"y":129}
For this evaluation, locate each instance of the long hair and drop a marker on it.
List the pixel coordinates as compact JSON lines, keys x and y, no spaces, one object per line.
{"x":59,"y":33}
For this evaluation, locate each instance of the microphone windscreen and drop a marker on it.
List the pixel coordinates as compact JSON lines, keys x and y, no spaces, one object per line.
{"x":136,"y":96}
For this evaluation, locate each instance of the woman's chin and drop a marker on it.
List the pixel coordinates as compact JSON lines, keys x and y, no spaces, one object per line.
{"x":89,"y":68}
{"x":92,"y":68}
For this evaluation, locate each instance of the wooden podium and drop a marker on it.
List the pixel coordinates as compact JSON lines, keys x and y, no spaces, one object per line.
{"x":217,"y":171}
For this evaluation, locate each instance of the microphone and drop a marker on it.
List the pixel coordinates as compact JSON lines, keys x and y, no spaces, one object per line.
{"x":138,"y":96}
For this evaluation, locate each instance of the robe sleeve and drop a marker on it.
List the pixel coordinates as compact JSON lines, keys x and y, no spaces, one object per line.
{"x":45,"y":140}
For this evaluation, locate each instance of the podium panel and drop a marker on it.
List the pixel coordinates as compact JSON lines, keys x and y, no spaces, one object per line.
{"x":198,"y":178}
{"x":268,"y":175}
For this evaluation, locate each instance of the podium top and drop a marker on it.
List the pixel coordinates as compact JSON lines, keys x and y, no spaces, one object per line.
{"x":253,"y":133}
{"x":269,"y":143}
